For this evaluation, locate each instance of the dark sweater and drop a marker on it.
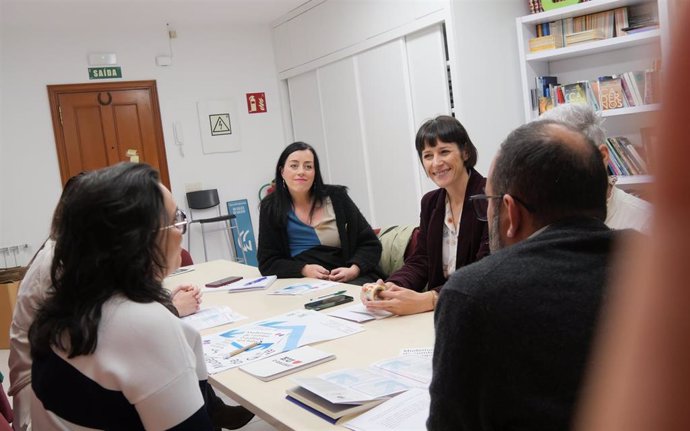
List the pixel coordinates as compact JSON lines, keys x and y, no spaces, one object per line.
{"x":513,"y":331}
{"x":358,"y":242}
{"x":425,"y":264}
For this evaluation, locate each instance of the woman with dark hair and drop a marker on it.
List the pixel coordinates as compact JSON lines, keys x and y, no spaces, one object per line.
{"x":33,"y":290}
{"x":108,"y":351}
{"x":310,"y":229}
{"x":450,"y":235}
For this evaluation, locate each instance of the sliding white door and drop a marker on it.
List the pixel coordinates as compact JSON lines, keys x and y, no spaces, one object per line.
{"x":361,"y":114}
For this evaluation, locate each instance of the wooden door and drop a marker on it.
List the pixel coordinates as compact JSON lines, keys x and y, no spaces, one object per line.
{"x":101,"y":124}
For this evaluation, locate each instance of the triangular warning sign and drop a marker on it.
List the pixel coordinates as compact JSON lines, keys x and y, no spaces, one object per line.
{"x":220,"y":126}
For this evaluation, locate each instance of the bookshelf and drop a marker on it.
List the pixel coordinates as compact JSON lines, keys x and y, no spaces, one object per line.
{"x":590,"y":60}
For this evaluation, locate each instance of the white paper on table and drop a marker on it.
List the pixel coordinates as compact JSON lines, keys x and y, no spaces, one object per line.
{"x":303,"y":287}
{"x":277,"y":334}
{"x":219,"y":347}
{"x":424,"y":352}
{"x":416,"y":368}
{"x":407,"y":411}
{"x":359,"y":313}
{"x":309,"y":326}
{"x":212,"y":316}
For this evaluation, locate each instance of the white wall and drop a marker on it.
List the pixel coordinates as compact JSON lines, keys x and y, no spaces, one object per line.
{"x":482,"y":49}
{"x":214,"y":58}
{"x":487,"y":92}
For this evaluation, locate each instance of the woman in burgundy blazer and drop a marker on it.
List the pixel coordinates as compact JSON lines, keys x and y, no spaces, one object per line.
{"x":447,"y":220}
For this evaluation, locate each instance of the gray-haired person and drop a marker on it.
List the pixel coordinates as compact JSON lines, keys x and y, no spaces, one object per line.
{"x":623,"y":210}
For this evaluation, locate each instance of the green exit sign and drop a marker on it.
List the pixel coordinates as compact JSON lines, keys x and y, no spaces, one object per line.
{"x":105,"y":72}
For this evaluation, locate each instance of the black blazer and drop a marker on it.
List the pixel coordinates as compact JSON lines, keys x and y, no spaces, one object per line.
{"x":359,"y":244}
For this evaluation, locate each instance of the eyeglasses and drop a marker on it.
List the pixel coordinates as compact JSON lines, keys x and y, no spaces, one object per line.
{"x":180,"y":222}
{"x":480,"y":203}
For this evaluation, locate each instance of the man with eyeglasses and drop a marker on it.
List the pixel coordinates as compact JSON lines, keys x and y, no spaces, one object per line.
{"x":513,"y":331}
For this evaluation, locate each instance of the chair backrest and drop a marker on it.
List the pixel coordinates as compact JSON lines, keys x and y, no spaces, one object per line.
{"x":186,"y":258}
{"x":396,"y":241}
{"x":202,"y":199}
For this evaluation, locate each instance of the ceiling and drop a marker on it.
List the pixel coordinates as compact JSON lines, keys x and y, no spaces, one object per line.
{"x":261,"y":11}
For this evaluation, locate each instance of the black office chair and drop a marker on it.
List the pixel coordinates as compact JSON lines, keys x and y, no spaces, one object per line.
{"x":206,"y":199}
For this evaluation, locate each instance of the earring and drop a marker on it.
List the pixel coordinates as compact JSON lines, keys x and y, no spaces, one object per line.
{"x":284,"y":183}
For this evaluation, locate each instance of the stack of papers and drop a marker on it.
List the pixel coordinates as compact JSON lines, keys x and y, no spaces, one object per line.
{"x":286,"y":363}
{"x":334,"y":413}
{"x":341,"y":393}
{"x":353,"y":385}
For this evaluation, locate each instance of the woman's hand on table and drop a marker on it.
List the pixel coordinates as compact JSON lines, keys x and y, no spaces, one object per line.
{"x":401,"y":301}
{"x":343,"y":275}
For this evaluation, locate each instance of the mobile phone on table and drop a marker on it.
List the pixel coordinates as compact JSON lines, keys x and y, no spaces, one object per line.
{"x":224,"y":281}
{"x":331,"y":301}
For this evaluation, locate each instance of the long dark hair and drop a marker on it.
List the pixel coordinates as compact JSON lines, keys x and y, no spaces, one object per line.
{"x":106,"y":244}
{"x":279,"y":203}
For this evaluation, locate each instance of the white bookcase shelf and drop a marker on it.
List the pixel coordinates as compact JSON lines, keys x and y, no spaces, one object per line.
{"x":631,"y":110}
{"x":589,"y":48}
{"x":590,"y":60}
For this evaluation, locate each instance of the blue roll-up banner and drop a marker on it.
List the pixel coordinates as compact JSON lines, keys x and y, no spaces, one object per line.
{"x":245,"y":244}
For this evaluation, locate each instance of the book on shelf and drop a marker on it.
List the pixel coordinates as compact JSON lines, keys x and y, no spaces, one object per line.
{"x":592,"y":88}
{"x":621,"y":20}
{"x":586,"y":28}
{"x":635,"y":155}
{"x":642,"y":17}
{"x":632,"y":83}
{"x":334,"y":413}
{"x":625,"y":158}
{"x":610,"y":93}
{"x":651,"y":86}
{"x":535,"y":6}
{"x":584,"y":36}
{"x":543,"y":88}
{"x":575,"y":93}
{"x":628,"y":99}
{"x":286,"y":363}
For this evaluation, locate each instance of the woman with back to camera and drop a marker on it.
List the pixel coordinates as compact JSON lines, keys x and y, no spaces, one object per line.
{"x":107,"y":351}
{"x":310,"y":229}
{"x":450,"y":236}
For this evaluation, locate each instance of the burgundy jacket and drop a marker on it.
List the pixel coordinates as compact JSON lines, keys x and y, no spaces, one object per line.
{"x":425,"y":265}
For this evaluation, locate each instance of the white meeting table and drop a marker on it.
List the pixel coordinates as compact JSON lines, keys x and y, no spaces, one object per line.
{"x":381,"y":339}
